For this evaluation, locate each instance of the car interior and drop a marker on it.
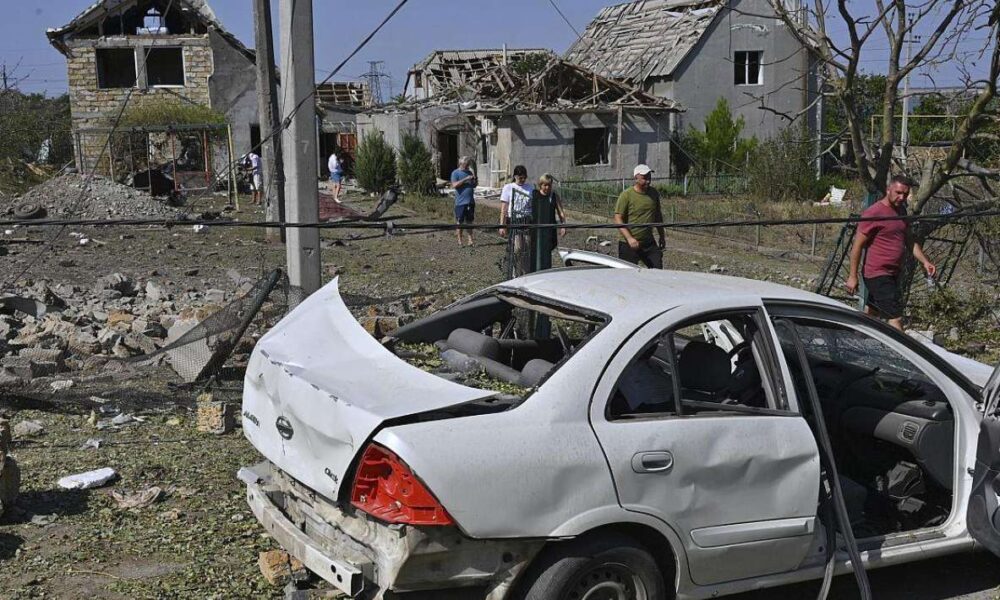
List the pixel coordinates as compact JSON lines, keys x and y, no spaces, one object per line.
{"x":892,"y":429}
{"x":717,"y":362}
{"x":510,"y":338}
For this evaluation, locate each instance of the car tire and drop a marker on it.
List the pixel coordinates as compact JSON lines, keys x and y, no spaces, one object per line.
{"x":606,"y":566}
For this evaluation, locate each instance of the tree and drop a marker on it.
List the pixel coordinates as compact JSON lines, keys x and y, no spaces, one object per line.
{"x":416,"y":168}
{"x":948,"y":23}
{"x":375,"y":163}
{"x":719,"y":148}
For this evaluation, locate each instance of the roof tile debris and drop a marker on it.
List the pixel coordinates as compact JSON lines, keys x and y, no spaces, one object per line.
{"x":448,"y":68}
{"x":648,"y":38}
{"x":554,"y":85}
{"x":355,"y":94}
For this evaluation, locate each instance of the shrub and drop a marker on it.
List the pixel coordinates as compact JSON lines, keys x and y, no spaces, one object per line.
{"x":416,"y":169}
{"x":375,"y":163}
{"x":719,"y":148}
{"x":160,"y":112}
{"x":782,"y":168}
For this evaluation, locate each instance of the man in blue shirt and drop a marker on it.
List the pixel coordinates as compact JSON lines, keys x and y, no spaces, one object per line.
{"x":463,"y":181}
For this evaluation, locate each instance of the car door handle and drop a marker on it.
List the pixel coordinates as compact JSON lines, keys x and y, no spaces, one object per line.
{"x":652,"y":462}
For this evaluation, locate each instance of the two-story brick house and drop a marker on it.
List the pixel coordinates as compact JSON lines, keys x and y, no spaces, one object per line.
{"x":175,"y":50}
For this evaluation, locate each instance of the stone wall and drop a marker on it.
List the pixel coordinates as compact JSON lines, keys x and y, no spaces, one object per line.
{"x":95,"y":108}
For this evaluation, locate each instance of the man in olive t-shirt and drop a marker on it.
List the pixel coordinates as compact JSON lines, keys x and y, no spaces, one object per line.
{"x":637,"y":205}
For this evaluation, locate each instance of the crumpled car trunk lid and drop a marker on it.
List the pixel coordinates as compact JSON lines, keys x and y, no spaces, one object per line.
{"x":318,"y":386}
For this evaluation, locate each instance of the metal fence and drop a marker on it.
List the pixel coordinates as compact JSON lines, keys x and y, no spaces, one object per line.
{"x":598,"y":198}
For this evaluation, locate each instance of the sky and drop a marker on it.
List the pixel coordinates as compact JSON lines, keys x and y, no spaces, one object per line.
{"x":420,"y":27}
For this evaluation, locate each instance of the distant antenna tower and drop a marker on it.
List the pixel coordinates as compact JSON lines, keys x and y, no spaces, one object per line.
{"x":374,"y":76}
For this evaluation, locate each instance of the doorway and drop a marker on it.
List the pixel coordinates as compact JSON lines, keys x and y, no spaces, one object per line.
{"x":447,"y":144}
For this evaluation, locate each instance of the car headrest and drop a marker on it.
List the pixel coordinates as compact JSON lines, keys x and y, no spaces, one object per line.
{"x":474,"y":343}
{"x":534,"y":371}
{"x":704,"y":367}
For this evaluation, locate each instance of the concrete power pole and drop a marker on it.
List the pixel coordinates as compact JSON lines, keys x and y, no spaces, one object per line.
{"x":904,"y":131}
{"x":299,"y":144}
{"x":270,"y":119}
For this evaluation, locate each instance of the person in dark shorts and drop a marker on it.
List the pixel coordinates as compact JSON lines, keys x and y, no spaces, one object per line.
{"x":885,"y":244}
{"x":463,"y":180}
{"x":637,"y":205}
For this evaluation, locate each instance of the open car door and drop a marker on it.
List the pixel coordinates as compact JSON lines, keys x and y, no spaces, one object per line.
{"x":983,"y":516}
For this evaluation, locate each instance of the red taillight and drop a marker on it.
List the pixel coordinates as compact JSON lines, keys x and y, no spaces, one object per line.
{"x":385,"y":488}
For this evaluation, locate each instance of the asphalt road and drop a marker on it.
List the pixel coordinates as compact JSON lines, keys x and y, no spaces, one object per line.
{"x":973,"y":576}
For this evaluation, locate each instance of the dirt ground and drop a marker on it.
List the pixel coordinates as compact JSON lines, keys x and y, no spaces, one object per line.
{"x":200,"y":540}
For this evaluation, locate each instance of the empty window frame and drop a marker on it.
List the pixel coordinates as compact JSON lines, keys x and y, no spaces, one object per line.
{"x":115,"y":68}
{"x":590,"y":146}
{"x":747,"y":67}
{"x":164,"y":66}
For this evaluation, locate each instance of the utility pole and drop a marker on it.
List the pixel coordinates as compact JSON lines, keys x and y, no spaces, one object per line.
{"x":269,"y":118}
{"x":904,"y":132}
{"x":5,"y":88}
{"x":299,"y":144}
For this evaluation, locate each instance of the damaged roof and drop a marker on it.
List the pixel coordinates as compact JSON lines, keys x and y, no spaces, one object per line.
{"x":555,"y":85}
{"x":648,"y":38}
{"x":197,"y":9}
{"x":353,"y":94}
{"x":445,"y":68}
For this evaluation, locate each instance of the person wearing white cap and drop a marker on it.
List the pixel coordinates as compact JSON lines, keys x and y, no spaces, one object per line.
{"x":636,"y":206}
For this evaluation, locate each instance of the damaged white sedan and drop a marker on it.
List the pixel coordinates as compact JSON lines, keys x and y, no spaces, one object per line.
{"x":605,"y":433}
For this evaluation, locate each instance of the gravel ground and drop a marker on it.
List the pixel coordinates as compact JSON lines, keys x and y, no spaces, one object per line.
{"x":64,"y":197}
{"x":199,"y":540}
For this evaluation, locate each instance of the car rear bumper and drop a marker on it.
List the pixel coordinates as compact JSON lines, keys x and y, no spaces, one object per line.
{"x":363,"y":557}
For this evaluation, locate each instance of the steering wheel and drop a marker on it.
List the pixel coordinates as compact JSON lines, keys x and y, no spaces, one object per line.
{"x":738,"y":349}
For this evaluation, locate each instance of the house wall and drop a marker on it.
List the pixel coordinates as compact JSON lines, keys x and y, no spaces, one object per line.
{"x":426,"y":123}
{"x":545,"y":143}
{"x":216,"y":75}
{"x":233,"y":90}
{"x":706,"y":74}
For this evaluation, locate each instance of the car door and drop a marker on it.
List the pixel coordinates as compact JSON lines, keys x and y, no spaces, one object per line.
{"x":738,"y":484}
{"x":983,"y":515}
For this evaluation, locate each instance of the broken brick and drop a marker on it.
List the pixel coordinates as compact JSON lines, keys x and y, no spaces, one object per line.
{"x":278,"y":566}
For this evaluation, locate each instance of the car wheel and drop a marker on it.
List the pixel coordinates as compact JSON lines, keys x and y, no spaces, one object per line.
{"x":609,"y":567}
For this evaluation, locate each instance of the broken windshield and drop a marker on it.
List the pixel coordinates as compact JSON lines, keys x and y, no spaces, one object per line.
{"x":506,"y":342}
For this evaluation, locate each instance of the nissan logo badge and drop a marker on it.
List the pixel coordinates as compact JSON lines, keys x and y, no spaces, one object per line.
{"x":284,"y":428}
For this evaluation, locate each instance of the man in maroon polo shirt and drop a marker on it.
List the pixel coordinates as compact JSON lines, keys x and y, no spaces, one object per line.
{"x":886,"y":242}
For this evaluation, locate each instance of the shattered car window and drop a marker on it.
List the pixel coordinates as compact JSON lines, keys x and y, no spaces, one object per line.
{"x":504,"y":342}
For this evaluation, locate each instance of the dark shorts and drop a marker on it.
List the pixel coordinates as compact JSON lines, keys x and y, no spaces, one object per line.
{"x":651,"y":256}
{"x":884,"y":296}
{"x":465,"y":213}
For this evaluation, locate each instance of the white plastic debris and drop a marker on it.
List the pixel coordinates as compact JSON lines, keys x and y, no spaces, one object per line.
{"x":62,"y":384}
{"x":8,"y":232}
{"x":84,"y":241}
{"x":122,"y":419}
{"x":94,"y":443}
{"x":88,"y":480}
{"x":200,"y":228}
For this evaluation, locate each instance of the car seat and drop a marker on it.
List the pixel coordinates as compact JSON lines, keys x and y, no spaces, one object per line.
{"x":705,"y":371}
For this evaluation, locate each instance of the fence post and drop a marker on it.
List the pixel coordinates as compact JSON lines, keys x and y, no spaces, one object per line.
{"x":685,"y":185}
{"x":673,"y":212}
{"x":812,"y":250}
{"x":756,"y":237}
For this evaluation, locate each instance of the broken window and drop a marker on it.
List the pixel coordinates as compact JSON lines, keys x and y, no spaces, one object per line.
{"x":503,"y":342}
{"x":153,"y":23}
{"x":715,"y":365}
{"x":115,"y":68}
{"x":590,"y":146}
{"x":165,"y":66}
{"x":747,"y":67}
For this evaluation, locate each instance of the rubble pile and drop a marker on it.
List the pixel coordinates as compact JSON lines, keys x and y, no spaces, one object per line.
{"x":50,"y":330}
{"x":64,"y":197}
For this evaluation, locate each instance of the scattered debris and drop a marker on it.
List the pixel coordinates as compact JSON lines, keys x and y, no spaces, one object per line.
{"x":43,"y":520}
{"x":717,"y":269}
{"x":28,"y":429}
{"x":137,"y":499}
{"x":215,"y":417}
{"x":71,"y":196}
{"x":88,"y":480}
{"x":277,"y":566}
{"x":94,"y":443}
{"x":61,"y":384}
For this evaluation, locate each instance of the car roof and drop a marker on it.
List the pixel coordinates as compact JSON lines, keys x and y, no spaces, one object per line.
{"x":643,"y":293}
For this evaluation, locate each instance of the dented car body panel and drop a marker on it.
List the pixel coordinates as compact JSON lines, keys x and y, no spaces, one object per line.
{"x":732,"y":492}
